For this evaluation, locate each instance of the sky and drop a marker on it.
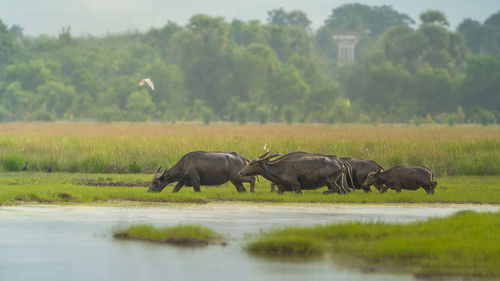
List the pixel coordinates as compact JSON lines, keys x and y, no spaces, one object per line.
{"x":101,"y":17}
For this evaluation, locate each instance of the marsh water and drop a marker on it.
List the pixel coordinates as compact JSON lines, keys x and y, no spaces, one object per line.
{"x":40,"y":242}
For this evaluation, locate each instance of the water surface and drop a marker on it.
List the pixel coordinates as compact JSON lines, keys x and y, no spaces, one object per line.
{"x":40,"y":242}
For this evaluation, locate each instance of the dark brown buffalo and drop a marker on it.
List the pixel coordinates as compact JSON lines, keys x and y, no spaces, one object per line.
{"x":359,"y":170}
{"x":344,"y":180}
{"x":299,"y":171}
{"x":399,"y":177}
{"x":204,"y":168}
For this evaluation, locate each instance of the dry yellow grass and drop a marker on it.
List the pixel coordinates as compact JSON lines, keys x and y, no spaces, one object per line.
{"x":142,"y":147}
{"x":270,"y":130}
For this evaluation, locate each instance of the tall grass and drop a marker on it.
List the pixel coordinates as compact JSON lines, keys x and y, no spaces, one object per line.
{"x":143,"y":147}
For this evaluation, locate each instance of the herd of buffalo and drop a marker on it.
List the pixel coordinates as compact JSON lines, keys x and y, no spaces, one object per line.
{"x":291,"y":172}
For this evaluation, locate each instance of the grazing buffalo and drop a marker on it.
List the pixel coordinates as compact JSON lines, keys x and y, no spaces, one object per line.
{"x":204,"y":168}
{"x":359,"y":171}
{"x":299,"y":170}
{"x":397,"y":178}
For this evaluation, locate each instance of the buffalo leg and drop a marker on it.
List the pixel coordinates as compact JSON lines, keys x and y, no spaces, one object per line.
{"x":251,"y":180}
{"x":272,"y":187}
{"x":279,"y":190}
{"x":178,"y":187}
{"x":367,"y":189}
{"x":296,"y":188}
{"x":239,"y":187}
{"x":384,"y":188}
{"x":196,"y":185}
{"x":397,"y":187}
{"x":331,"y":189}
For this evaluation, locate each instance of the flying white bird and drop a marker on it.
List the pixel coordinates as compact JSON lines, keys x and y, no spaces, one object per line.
{"x":147,"y":81}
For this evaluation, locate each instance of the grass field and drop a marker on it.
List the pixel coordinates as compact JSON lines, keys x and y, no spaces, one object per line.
{"x":464,"y":245}
{"x":143,"y":147}
{"x":22,"y":187}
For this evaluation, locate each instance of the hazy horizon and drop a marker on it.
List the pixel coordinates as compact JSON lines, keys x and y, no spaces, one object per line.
{"x":117,"y":16}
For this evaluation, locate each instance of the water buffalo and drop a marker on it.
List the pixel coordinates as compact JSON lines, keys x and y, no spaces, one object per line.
{"x":399,"y":177}
{"x":204,"y":168}
{"x":359,"y":171}
{"x":344,"y":180}
{"x":298,"y":171}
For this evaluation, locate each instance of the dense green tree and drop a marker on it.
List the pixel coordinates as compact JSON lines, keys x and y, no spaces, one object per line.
{"x":139,"y":106}
{"x":432,"y":91}
{"x":481,"y":84}
{"x":493,"y":20}
{"x":159,"y":37}
{"x":287,"y":19}
{"x":243,"y":33}
{"x":203,"y":47}
{"x":280,"y":42}
{"x":287,"y":87}
{"x":472,"y":31}
{"x":58,"y":98}
{"x":429,"y":44}
{"x":482,"y":38}
{"x":7,"y":47}
{"x":30,"y":75}
{"x":367,"y":21}
{"x":359,"y":17}
{"x":244,"y":71}
{"x":17,"y":33}
{"x":434,"y":17}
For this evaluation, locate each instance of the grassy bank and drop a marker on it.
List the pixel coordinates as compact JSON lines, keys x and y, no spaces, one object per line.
{"x":182,"y":235}
{"x":465,"y":244}
{"x":142,"y":147}
{"x":22,"y":187}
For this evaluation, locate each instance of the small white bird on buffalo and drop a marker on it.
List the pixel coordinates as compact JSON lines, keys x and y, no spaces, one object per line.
{"x":147,"y":81}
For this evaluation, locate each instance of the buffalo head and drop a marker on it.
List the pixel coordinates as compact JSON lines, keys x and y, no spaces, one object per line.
{"x":373,"y":178}
{"x":159,"y":180}
{"x":255,"y":166}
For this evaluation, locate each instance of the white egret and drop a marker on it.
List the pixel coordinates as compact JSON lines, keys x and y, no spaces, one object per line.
{"x":147,"y":81}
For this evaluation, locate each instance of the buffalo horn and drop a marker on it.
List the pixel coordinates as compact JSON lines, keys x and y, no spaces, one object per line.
{"x":264,"y":155}
{"x":165,"y":172}
{"x":157,"y":171}
{"x":272,"y":156}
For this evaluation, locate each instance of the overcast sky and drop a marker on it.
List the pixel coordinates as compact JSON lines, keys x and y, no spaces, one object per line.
{"x":99,"y":17}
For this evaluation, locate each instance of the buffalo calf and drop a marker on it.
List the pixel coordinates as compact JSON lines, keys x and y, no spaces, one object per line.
{"x":398,"y":178}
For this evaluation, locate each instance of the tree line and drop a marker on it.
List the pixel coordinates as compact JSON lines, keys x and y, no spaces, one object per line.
{"x":250,"y":71}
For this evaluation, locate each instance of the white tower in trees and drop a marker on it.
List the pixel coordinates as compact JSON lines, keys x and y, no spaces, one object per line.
{"x":345,"y":47}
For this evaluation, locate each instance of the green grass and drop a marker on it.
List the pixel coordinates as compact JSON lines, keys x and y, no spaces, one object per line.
{"x":181,"y":234}
{"x":22,"y":187}
{"x":143,"y":147}
{"x":289,"y":246}
{"x":465,"y":244}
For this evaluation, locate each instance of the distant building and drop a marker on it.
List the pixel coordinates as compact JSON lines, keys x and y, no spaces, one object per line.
{"x":345,"y":47}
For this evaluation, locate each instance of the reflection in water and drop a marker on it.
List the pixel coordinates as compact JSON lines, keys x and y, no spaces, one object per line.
{"x":73,"y":242}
